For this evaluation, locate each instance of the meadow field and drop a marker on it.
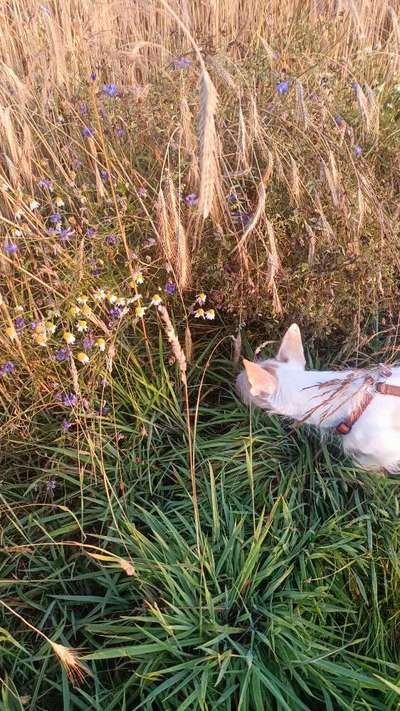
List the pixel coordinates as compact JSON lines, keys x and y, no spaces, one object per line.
{"x":180,"y":181}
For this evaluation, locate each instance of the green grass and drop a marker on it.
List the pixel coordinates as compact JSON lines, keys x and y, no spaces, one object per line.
{"x":198,"y":555}
{"x":290,"y":601}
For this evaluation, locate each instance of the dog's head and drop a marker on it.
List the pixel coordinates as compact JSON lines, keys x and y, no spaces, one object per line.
{"x":259,"y":383}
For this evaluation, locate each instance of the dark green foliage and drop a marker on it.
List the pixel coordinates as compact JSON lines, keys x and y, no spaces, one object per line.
{"x":291,"y":601}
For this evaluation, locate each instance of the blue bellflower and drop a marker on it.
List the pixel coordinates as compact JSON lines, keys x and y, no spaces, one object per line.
{"x":110,"y":90}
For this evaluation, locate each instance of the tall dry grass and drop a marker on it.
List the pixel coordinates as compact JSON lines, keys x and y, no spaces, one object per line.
{"x":251,"y":152}
{"x":303,"y":199}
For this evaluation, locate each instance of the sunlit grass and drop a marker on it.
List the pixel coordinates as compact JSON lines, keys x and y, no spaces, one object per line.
{"x":177,"y":183}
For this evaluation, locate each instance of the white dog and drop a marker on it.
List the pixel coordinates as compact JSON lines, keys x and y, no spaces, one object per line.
{"x":362,"y":406}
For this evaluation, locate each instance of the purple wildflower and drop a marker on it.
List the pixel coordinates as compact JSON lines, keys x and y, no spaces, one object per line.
{"x":96,"y":271}
{"x":231,"y":197}
{"x":240,"y":217}
{"x":87,"y":131}
{"x":77,"y":164}
{"x":65,"y":233}
{"x":62,"y":354}
{"x":104,"y":175}
{"x":110,"y":89}
{"x":191,"y":200}
{"x":119,"y":131}
{"x":90,"y":231}
{"x":88,"y":343}
{"x":115,"y":311}
{"x":170,"y":287}
{"x":11,"y":248}
{"x":93,"y":76}
{"x":70,"y":400}
{"x":112,"y":239}
{"x":83,"y":109}
{"x":282,"y":87}
{"x":339,"y":120}
{"x":19,"y":322}
{"x":275,"y":55}
{"x":142,"y":191}
{"x":45,"y":183}
{"x":7,"y":368}
{"x":358,"y":151}
{"x":55,"y":218}
{"x":66,"y":425}
{"x":33,"y":325}
{"x":103,"y":410}
{"x":182,"y":63}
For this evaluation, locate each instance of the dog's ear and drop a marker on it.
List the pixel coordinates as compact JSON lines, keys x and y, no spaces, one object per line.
{"x":262,"y":381}
{"x":291,"y":349}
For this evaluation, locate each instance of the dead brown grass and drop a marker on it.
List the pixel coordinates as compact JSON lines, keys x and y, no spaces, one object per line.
{"x":312,"y":219}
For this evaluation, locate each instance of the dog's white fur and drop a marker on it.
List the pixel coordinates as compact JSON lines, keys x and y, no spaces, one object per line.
{"x":282,"y":386}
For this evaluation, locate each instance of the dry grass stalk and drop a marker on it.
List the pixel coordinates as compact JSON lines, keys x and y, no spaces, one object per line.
{"x":311,"y":244}
{"x":208,"y":145}
{"x":180,"y":248}
{"x":101,"y":193}
{"x":189,"y":141}
{"x":188,"y":344}
{"x":172,"y":235}
{"x":396,"y":40}
{"x":355,"y":16}
{"x":71,"y":661}
{"x":174,"y":342}
{"x":164,"y":230}
{"x":22,"y":93}
{"x":59,"y":46}
{"x":74,"y":374}
{"x":325,"y":226}
{"x":255,"y":131}
{"x":268,"y":51}
{"x":280,"y":173}
{"x":69,"y":657}
{"x":276,"y":302}
{"x":273,"y":257}
{"x":260,"y":207}
{"x":242,"y":155}
{"x":216,"y":63}
{"x":302,"y":113}
{"x":373,"y":106}
{"x":27,"y":153}
{"x":273,"y":267}
{"x":132,"y":53}
{"x":127,"y":567}
{"x":11,"y":139}
{"x":361,"y":218}
{"x":295,"y":182}
{"x":237,"y":347}
{"x":332,"y":179}
{"x":369,"y":109}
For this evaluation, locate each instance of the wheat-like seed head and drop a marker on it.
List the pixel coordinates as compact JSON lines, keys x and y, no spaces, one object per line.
{"x":208,"y":144}
{"x":174,"y":342}
{"x":70,"y":660}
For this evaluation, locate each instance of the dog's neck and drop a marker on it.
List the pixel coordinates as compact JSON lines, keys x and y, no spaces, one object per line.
{"x":320,"y":398}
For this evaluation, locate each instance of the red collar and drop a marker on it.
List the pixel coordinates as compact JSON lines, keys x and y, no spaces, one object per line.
{"x":379,"y":387}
